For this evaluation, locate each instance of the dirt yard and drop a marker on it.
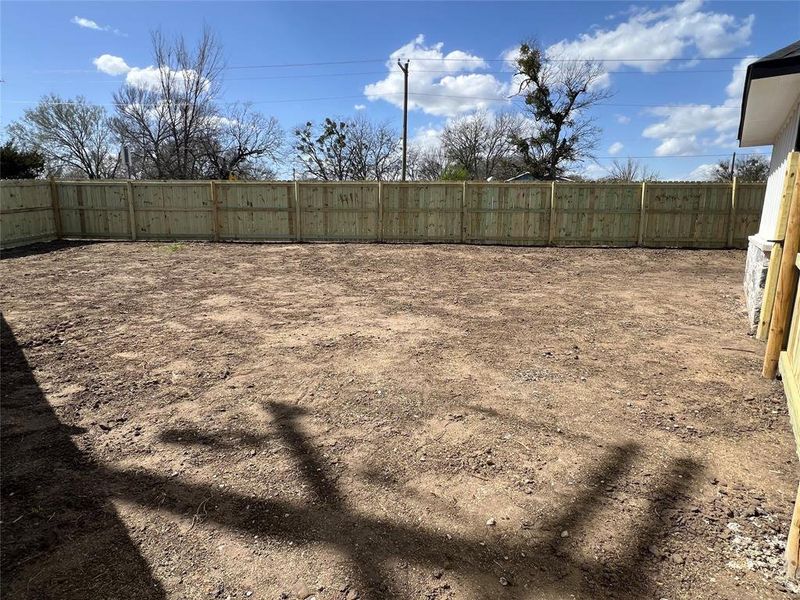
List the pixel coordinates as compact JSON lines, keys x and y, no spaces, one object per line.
{"x":206,"y":421}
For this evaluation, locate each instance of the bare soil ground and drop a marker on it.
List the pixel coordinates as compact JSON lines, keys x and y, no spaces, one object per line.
{"x":372,"y":421}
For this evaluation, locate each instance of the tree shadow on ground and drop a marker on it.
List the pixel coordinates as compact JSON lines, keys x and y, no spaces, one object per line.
{"x":546,"y":561}
{"x":61,"y":538}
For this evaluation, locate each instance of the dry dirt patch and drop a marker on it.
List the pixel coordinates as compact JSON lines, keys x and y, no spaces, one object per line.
{"x":375,"y":421}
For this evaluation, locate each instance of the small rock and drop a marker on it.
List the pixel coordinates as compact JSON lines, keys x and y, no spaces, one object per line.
{"x":491,"y":522}
{"x":504,"y":582}
{"x":352,"y":595}
{"x":565,"y":534}
{"x":678,"y":559}
{"x":437,"y":574}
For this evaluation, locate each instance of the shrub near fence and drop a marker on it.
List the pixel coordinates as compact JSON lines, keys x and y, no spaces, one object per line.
{"x":658,"y":214}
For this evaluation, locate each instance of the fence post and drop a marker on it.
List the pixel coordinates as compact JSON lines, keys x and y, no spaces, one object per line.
{"x":551,"y":225}
{"x":732,"y":215}
{"x":793,"y":543}
{"x":131,"y":209}
{"x":214,"y":211}
{"x":380,"y":211}
{"x":298,"y":212}
{"x":782,"y":308}
{"x":463,"y":212}
{"x":642,"y":215}
{"x":56,"y":204}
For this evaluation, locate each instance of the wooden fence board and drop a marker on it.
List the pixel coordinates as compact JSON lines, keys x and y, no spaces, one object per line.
{"x":749,"y":202}
{"x":422,"y":212}
{"x":507,"y":213}
{"x":256,"y":212}
{"x":94,"y":210}
{"x":340,"y":211}
{"x":686,"y":215}
{"x":173,"y":210}
{"x":590,"y":214}
{"x":26,"y":213}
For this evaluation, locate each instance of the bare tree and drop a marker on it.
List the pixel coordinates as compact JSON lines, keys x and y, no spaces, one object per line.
{"x":749,"y":168}
{"x":353,"y":149}
{"x":72,"y":136}
{"x":373,"y":150}
{"x":163,"y":115}
{"x":243,"y":144}
{"x":482,"y":143}
{"x":426,"y":164}
{"x":558,"y":96}
{"x":630,"y":170}
{"x":169,"y":119}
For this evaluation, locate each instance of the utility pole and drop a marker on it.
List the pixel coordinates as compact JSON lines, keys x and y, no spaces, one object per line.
{"x":733,"y":165}
{"x":126,"y":158}
{"x":404,"y":69}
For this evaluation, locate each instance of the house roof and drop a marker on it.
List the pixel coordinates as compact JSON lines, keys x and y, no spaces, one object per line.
{"x":771,"y":89}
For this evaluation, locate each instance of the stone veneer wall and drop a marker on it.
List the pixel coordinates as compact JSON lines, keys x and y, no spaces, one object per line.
{"x":755,"y":274}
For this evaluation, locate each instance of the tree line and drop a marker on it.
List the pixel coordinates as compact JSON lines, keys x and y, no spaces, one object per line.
{"x":173,"y":127}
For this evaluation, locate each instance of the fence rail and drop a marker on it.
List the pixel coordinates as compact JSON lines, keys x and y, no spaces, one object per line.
{"x":657,"y":214}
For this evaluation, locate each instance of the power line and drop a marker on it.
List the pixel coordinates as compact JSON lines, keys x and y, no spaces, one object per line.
{"x":481,"y":60}
{"x":441,"y":72}
{"x":620,"y":60}
{"x":361,"y":96}
{"x":309,"y":64}
{"x":442,"y":59}
{"x":683,"y":155}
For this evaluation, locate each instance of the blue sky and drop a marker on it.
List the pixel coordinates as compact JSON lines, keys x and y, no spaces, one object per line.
{"x":686,"y":55}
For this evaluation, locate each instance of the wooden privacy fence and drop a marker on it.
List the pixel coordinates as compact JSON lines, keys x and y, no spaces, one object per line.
{"x":658,"y":214}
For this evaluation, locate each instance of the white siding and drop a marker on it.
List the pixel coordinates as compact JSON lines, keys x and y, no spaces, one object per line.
{"x":780,"y":151}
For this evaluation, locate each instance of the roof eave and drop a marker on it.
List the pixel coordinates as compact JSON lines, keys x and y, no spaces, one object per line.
{"x":766,"y":67}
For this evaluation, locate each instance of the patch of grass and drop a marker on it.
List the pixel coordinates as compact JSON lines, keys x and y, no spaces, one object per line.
{"x":173,"y":247}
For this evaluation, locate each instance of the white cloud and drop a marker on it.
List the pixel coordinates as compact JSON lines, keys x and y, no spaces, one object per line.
{"x":736,"y":87}
{"x":649,"y":40}
{"x":86,"y":23}
{"x":678,"y":146}
{"x":90,"y":24}
{"x":427,"y":137}
{"x":591,"y":171}
{"x":221,"y":121}
{"x":440,"y":84}
{"x":448,"y":84}
{"x":702,"y":172}
{"x":148,"y":78}
{"x":111,"y":65}
{"x":615,"y":148}
{"x":360,"y":106}
{"x":689,"y":128}
{"x":660,"y":35}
